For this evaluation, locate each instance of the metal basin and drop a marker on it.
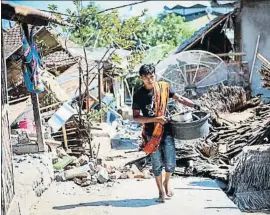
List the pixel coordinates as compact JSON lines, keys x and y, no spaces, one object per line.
{"x":197,"y":128}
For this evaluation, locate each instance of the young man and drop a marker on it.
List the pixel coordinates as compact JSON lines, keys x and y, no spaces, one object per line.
{"x":144,"y":101}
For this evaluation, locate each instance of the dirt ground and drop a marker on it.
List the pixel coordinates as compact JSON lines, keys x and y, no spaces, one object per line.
{"x":192,"y":196}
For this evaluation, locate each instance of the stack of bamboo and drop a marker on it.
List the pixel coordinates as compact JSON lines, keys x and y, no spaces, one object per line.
{"x":223,"y":98}
{"x":253,"y":132}
{"x":265,"y":71}
{"x":249,"y":182}
{"x":217,"y":153}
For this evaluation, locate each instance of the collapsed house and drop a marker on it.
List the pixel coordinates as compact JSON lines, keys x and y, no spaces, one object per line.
{"x":64,"y":68}
{"x":227,"y":52}
{"x":229,"y":36}
{"x":213,"y":155}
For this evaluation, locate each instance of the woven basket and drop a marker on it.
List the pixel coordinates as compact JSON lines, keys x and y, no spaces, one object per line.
{"x":191,"y":130}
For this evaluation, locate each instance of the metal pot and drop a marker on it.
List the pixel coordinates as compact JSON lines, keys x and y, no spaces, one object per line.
{"x":182,"y":117}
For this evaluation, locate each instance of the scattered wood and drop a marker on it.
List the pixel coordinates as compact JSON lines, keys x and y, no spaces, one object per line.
{"x":255,"y":131}
{"x":232,"y":54}
{"x":136,"y":160}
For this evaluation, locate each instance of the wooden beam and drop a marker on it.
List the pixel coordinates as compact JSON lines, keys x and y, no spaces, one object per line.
{"x":254,"y":58}
{"x":65,"y":136}
{"x":100,"y":87}
{"x":37,"y":118}
{"x":206,"y":32}
{"x":29,"y":15}
{"x":52,"y":105}
{"x":232,"y":54}
{"x":19,"y":99}
{"x":264,"y":60}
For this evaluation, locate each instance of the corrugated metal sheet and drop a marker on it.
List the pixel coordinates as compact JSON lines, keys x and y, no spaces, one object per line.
{"x":202,"y":32}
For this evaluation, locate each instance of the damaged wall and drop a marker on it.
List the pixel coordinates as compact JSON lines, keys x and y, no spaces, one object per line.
{"x":254,"y":21}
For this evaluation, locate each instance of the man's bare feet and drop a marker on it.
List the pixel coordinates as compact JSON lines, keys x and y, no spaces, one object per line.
{"x":161,"y":198}
{"x":168,"y":191}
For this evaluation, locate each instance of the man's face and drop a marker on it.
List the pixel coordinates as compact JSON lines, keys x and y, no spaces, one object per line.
{"x":149,"y":80}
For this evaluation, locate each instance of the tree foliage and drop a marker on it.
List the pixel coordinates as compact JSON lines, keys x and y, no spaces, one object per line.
{"x":170,"y":29}
{"x":96,"y":29}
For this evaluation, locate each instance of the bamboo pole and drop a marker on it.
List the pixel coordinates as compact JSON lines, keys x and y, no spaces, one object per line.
{"x":254,"y":58}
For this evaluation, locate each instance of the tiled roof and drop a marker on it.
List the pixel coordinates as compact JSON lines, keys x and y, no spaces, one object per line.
{"x":12,"y":39}
{"x":58,"y":59}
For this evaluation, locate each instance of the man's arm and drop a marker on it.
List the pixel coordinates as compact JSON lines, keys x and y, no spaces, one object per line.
{"x":138,"y":118}
{"x":185,"y":101}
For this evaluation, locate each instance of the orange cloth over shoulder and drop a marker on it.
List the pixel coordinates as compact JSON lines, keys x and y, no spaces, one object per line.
{"x":161,"y":97}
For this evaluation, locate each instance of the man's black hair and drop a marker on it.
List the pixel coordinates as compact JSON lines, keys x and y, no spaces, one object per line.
{"x":147,"y":69}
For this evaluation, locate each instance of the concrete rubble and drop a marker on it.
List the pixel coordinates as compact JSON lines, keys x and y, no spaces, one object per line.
{"x":33,"y":175}
{"x":85,"y":171}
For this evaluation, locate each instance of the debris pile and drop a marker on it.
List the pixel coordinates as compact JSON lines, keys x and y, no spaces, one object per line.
{"x":264,"y":71}
{"x":128,"y":129}
{"x":85,"y":171}
{"x":249,"y":182}
{"x":214,"y":155}
{"x":127,"y":135}
{"x":78,"y":138}
{"x":233,"y":139}
{"x":223,"y":98}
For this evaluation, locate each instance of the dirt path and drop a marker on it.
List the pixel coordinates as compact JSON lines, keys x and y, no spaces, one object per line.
{"x":193,"y":196}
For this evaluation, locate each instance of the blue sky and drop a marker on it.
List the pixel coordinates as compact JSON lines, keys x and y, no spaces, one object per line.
{"x":154,"y":7}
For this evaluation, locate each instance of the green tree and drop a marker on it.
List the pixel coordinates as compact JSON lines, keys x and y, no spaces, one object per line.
{"x":169,"y":29}
{"x":95,"y":29}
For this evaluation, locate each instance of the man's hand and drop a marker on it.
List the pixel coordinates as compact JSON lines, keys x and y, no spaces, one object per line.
{"x":161,"y":119}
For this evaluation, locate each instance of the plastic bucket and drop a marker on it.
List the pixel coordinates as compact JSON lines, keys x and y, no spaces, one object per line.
{"x":199,"y":127}
{"x":23,"y":124}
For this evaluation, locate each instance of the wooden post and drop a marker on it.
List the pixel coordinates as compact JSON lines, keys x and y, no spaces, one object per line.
{"x":132,"y":94}
{"x":65,"y":136}
{"x":122,"y":99}
{"x":80,"y":95}
{"x":100,"y":78}
{"x":39,"y":131}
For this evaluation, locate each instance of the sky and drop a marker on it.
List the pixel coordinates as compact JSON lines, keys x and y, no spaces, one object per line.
{"x":154,"y":7}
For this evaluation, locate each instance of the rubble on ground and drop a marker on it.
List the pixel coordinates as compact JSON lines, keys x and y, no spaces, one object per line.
{"x":216,"y":154}
{"x":223,"y":98}
{"x":85,"y":171}
{"x":249,"y":182}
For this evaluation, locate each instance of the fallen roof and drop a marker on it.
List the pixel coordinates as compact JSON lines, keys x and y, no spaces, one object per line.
{"x":28,"y":15}
{"x":202,"y":32}
{"x":55,"y":59}
{"x":12,"y":39}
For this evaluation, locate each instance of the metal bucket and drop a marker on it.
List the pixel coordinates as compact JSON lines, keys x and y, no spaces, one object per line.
{"x":199,"y":127}
{"x":183,"y":117}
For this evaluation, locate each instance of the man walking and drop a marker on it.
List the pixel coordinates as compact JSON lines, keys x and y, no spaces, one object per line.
{"x":152,"y":101}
